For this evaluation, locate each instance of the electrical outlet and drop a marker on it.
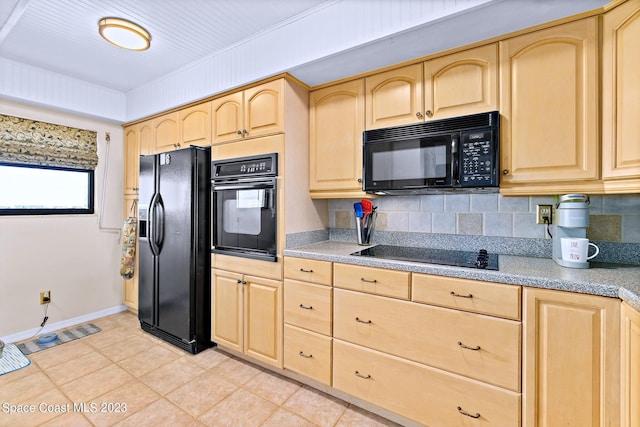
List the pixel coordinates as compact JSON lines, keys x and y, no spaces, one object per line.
{"x":544,"y":214}
{"x":45,"y":297}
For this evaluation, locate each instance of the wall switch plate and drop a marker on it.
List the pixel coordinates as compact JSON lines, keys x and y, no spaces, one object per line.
{"x":45,"y":297}
{"x":544,"y":214}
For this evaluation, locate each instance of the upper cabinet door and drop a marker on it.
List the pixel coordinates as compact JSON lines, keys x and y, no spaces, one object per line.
{"x":254,"y":112}
{"x":165,"y":129}
{"x":461,"y":83}
{"x":195,"y":125}
{"x":335,"y":143}
{"x":146,"y":138}
{"x":131,"y":155}
{"x":394,"y":97}
{"x":264,"y":109}
{"x":227,"y":120}
{"x":549,"y":103}
{"x":621,"y":92}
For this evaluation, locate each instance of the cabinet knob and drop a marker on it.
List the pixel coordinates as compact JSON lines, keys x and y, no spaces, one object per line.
{"x":360,"y":180}
{"x":505,"y":172}
{"x":418,"y":114}
{"x":244,"y":131}
{"x":239,"y":132}
{"x":429,"y":113}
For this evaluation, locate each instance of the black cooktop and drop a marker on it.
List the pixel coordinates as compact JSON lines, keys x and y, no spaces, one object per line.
{"x":481,"y":259}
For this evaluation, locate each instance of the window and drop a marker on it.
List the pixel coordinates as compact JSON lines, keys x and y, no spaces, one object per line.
{"x":38,"y":190}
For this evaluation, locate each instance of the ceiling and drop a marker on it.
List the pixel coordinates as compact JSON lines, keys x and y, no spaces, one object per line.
{"x":335,"y":38}
{"x":62,"y":35}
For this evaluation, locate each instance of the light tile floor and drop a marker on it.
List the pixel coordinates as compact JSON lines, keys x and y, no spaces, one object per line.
{"x":126,"y":377}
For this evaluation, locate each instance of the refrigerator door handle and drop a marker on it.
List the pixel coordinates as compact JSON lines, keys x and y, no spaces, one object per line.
{"x":159,"y":236}
{"x":155,"y":250}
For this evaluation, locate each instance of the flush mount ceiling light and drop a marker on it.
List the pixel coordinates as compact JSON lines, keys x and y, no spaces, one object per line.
{"x":124,"y":34}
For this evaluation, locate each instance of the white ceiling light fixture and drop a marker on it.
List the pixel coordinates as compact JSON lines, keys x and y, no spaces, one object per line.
{"x":124,"y":34}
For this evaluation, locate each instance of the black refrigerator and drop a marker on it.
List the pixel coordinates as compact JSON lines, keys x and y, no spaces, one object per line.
{"x":174,"y":247}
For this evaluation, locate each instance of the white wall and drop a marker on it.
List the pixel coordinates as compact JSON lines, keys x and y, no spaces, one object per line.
{"x":70,"y":255}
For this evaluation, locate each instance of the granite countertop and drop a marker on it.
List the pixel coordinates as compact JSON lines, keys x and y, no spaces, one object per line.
{"x":609,"y":280}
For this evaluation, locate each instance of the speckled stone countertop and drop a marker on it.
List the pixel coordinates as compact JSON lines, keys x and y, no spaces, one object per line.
{"x":609,"y":280}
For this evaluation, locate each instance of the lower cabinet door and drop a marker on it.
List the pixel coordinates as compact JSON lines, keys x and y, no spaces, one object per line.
{"x":429,"y":396}
{"x":307,"y":353}
{"x":263,"y":320}
{"x":630,"y":354}
{"x":227,"y":309}
{"x":570,"y":365}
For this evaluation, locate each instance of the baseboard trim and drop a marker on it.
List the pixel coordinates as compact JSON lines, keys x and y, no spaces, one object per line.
{"x":21,"y":336}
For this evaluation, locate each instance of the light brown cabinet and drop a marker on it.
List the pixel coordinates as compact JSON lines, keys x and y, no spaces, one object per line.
{"x":254,"y":112}
{"x":430,"y":396}
{"x":479,"y":347}
{"x":194,"y":125}
{"x":379,"y":281}
{"x":630,"y":366}
{"x":571,"y":366}
{"x":458,"y":84}
{"x":165,"y":132}
{"x":461,"y":83}
{"x":335,"y":141}
{"x":394,"y":97}
{"x":308,"y":318}
{"x":247,"y":315}
{"x":138,"y":140}
{"x":494,"y":299}
{"x":620,"y":97}
{"x":549,"y":106}
{"x":131,"y":155}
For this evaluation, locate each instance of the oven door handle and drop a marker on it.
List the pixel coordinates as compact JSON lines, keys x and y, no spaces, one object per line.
{"x":246,"y":185}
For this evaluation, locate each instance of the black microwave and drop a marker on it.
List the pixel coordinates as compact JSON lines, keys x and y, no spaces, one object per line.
{"x":460,"y":153}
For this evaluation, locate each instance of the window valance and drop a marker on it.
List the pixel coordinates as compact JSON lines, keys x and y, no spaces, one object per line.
{"x":30,"y":142}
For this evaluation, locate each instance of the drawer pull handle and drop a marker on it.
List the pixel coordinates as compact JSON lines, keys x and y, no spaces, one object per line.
{"x":368,"y":281}
{"x":460,"y":295}
{"x":363,"y":321}
{"x":309,"y":356}
{"x":366,"y":377}
{"x":476,"y":348}
{"x":306,"y":307}
{"x":463,"y":412}
{"x":305,"y":271}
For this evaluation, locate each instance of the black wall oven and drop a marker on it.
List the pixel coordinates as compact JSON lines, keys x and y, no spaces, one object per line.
{"x":244,"y":210}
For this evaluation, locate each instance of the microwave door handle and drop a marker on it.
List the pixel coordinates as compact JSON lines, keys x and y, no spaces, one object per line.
{"x":455,"y":167}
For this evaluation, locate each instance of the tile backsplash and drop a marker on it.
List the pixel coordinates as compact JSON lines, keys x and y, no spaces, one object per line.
{"x":613,"y":218}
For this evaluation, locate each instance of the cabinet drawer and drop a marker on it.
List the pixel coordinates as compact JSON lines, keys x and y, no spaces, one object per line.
{"x":308,"y":306}
{"x":373,"y":280}
{"x":427,"y":395}
{"x":308,"y":270}
{"x":481,"y":347}
{"x":490,"y":298}
{"x":307,"y":353}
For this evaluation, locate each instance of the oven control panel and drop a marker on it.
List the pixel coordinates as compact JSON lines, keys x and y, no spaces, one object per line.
{"x":264,"y":165}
